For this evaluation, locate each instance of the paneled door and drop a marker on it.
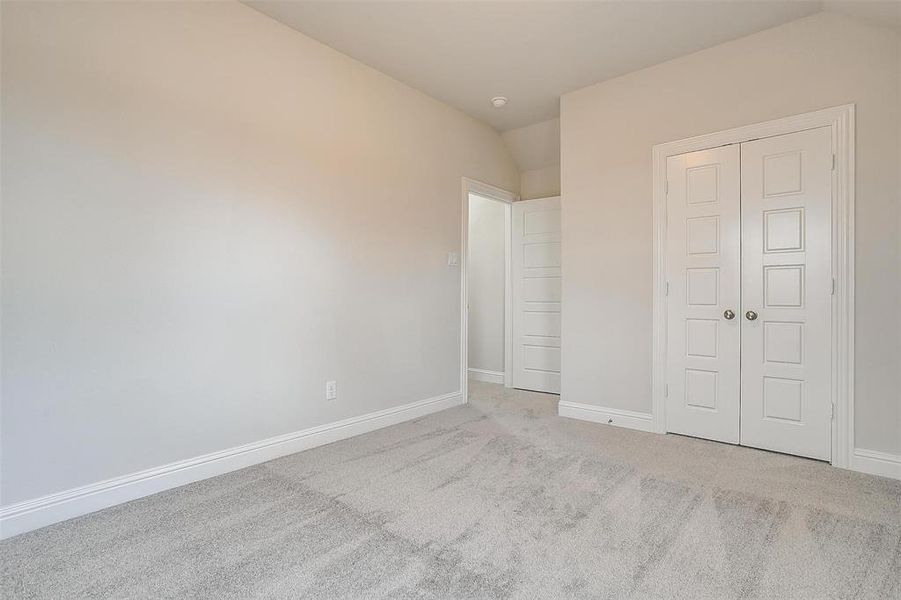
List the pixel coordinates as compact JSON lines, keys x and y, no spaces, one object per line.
{"x":786,"y":210}
{"x":536,"y":294}
{"x":703,"y":266}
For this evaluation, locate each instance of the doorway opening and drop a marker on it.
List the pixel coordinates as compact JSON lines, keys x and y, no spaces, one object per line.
{"x":511,"y":286}
{"x":490,"y":363}
{"x":488,"y":283}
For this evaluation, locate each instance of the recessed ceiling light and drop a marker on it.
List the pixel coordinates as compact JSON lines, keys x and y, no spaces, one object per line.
{"x":499,"y":101}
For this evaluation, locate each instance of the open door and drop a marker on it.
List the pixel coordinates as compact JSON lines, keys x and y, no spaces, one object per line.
{"x":536,"y":294}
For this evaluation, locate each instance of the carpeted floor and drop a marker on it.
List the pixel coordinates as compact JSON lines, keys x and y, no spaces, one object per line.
{"x":497,"y":499}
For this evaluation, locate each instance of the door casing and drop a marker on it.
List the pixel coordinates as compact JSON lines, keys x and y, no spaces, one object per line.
{"x":841,"y":386}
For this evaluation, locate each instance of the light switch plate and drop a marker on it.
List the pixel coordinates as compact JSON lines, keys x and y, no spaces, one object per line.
{"x":453,"y":259}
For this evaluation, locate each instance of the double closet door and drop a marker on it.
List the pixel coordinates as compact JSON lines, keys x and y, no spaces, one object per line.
{"x":749,"y":292}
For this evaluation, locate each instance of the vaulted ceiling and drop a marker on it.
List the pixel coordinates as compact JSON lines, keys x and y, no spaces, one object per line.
{"x":464,"y":53}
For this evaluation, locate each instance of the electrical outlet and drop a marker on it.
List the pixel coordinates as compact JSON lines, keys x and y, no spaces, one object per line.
{"x":331,"y":390}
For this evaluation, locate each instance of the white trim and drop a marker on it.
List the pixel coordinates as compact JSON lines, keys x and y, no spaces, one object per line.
{"x":841,"y":120}
{"x":486,"y":375}
{"x":472,"y":186}
{"x":508,"y":296}
{"x":608,"y":416}
{"x":876,"y":463}
{"x":46,"y":510}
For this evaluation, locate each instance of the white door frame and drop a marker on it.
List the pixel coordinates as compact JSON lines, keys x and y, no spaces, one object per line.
{"x":841,"y":120}
{"x":472,"y":186}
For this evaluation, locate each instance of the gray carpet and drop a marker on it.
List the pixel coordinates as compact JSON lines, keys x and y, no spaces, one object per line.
{"x":496,"y":499}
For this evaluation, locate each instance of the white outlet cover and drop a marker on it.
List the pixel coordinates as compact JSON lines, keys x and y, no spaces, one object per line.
{"x":453,"y":259}
{"x":331,"y":390}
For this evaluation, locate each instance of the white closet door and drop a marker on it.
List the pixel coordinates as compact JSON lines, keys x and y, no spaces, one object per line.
{"x":786,"y":290}
{"x":704,"y":279}
{"x":536,"y":295}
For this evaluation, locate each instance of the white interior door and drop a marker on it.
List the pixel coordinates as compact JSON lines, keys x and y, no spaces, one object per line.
{"x":786,"y":288}
{"x":703,"y":271}
{"x":536,"y":294}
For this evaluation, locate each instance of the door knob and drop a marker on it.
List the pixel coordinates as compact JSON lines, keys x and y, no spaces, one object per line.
{"x":728,"y":314}
{"x":751,"y":315}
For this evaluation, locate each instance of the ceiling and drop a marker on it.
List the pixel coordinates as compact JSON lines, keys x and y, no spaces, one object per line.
{"x":463,"y":53}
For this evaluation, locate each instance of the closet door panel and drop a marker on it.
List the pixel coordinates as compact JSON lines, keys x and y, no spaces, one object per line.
{"x":786,"y":207}
{"x":703,"y":274}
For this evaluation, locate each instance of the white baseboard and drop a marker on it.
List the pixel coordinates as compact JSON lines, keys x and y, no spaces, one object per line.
{"x":608,"y":416}
{"x":876,"y":463}
{"x":486,"y":376}
{"x":46,"y":510}
{"x":865,"y":461}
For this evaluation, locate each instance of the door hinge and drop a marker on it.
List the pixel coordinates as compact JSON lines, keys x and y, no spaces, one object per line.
{"x":666,"y":390}
{"x":832,"y":412}
{"x":833,"y":162}
{"x":832,"y":292}
{"x":666,"y":187}
{"x":666,"y":289}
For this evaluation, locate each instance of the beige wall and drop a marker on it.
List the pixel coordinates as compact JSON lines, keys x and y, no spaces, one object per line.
{"x":536,"y":150}
{"x":540,"y":183}
{"x":607,"y":133}
{"x":207,"y":215}
{"x":485,"y":269}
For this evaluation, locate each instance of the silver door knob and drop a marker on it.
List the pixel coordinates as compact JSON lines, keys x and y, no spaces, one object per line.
{"x":728,"y":314}
{"x":751,"y":315}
